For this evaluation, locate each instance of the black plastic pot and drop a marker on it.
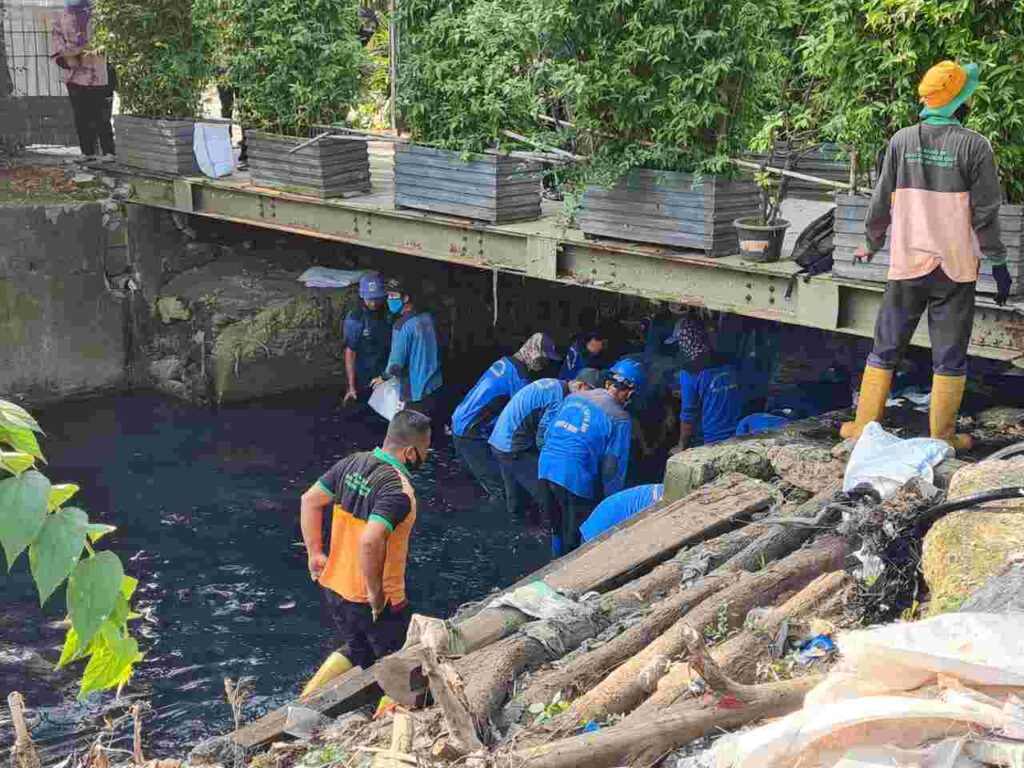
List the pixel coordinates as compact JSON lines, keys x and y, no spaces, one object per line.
{"x":761,"y":243}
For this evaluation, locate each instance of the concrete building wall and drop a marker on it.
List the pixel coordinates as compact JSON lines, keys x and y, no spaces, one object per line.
{"x":61,"y":331}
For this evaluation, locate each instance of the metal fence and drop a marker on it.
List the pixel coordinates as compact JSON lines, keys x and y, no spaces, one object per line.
{"x":26,"y":41}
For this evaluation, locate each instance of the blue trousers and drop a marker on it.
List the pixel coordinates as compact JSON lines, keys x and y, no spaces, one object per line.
{"x":519,"y":476}
{"x":475,"y":455}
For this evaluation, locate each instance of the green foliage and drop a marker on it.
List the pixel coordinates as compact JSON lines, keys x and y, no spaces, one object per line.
{"x":866,"y":58}
{"x":467,"y":70}
{"x":162,"y":52}
{"x":32,"y":517}
{"x":373,"y":110}
{"x":294,"y":63}
{"x":544,"y":712}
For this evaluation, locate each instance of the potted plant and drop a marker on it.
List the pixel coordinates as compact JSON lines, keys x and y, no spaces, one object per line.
{"x":467,"y":71}
{"x":867,"y":68}
{"x":291,"y":86}
{"x":662,"y":98}
{"x":160,"y":51}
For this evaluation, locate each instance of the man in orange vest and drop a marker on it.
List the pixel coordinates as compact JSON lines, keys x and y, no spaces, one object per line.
{"x":374,"y":509}
{"x":938,"y":198}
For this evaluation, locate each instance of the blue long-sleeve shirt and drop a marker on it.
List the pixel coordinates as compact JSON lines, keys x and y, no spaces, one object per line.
{"x":713,"y":399}
{"x":479,"y":409}
{"x":578,"y":357}
{"x":619,"y":507}
{"x":368,"y":334}
{"x":522,"y":423}
{"x":586,"y":447}
{"x":414,"y":356}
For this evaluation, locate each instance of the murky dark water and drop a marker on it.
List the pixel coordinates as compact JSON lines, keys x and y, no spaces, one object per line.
{"x":207,"y":509}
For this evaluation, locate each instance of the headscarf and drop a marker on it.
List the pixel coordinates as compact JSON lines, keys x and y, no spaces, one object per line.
{"x":81,"y":12}
{"x":692,"y":338}
{"x":536,"y":352}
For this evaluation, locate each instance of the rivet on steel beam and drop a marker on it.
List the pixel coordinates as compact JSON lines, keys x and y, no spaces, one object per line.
{"x":748,"y":297}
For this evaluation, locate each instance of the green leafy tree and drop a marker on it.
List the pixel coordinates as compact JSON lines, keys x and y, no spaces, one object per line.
{"x":867,"y":57}
{"x":294,"y":63}
{"x":34,"y":518}
{"x":162,"y":51}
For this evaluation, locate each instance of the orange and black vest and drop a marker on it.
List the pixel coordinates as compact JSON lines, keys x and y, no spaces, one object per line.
{"x":368,"y":486}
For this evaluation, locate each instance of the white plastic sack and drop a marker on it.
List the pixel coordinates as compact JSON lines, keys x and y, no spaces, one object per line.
{"x":385,"y":399}
{"x":211,"y":143}
{"x":886,"y":462}
{"x":326,"y":277}
{"x":537,"y":600}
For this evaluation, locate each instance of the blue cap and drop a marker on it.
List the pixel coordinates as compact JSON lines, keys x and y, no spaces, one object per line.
{"x":627,"y":373}
{"x":371,"y":286}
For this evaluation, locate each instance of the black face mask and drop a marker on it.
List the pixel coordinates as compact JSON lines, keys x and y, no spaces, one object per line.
{"x":415,"y":464}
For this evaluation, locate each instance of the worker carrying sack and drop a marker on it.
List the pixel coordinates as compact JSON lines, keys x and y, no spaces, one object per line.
{"x":813,"y":249}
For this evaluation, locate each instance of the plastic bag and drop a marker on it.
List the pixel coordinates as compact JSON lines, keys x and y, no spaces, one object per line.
{"x":211,"y":143}
{"x":886,"y":462}
{"x":386,"y":400}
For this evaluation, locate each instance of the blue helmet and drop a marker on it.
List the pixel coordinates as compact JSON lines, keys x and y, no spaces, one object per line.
{"x":371,"y":286}
{"x":628,"y":372}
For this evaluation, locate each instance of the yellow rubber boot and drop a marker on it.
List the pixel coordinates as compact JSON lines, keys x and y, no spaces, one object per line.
{"x":874,"y":391}
{"x":334,"y":666}
{"x":947,"y":392}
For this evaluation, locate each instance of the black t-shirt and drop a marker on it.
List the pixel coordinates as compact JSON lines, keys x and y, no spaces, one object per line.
{"x":366,"y":487}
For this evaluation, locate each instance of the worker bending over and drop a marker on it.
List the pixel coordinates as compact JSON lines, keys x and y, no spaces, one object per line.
{"x":620,"y":506}
{"x":374,"y":509}
{"x":367,"y":331}
{"x":518,"y":435}
{"x":586,"y":453}
{"x":711,"y":398}
{"x":414,"y":357}
{"x":939,"y":193}
{"x":474,"y":418}
{"x":588,"y":350}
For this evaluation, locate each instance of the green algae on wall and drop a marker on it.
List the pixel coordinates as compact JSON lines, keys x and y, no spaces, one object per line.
{"x":18,"y":310}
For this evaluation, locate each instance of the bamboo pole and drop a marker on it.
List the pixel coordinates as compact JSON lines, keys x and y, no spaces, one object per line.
{"x":393,"y":61}
{"x":539,"y":145}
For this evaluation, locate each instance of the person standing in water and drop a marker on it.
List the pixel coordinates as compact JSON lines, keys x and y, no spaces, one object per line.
{"x":363,"y":572}
{"x":415,"y":358}
{"x":367,"y":331}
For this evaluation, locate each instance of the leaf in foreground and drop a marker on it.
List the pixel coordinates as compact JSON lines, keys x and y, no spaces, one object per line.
{"x":22,"y":512}
{"x":57,"y":548}
{"x":92,"y":593}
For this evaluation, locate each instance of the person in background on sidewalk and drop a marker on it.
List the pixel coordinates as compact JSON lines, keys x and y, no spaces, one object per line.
{"x":90,"y":82}
{"x":620,"y":506}
{"x":709,"y":389}
{"x":518,"y":436}
{"x":363,"y":573}
{"x":586,"y":453}
{"x":474,"y":418}
{"x":367,"y":331}
{"x":939,"y":193}
{"x":414,"y":356}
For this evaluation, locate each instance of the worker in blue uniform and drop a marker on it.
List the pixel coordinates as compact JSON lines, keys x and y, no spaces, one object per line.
{"x":367,"y":337}
{"x":518,"y":435}
{"x":620,"y":506}
{"x":414,"y":357}
{"x":474,"y":418}
{"x":586,"y":452}
{"x":588,"y":350}
{"x":709,"y":388}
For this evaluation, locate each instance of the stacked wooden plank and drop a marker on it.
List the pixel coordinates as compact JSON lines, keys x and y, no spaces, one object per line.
{"x":671,"y":208}
{"x":156,"y":144}
{"x":849,"y":235}
{"x":491,"y":188}
{"x":333,"y":166}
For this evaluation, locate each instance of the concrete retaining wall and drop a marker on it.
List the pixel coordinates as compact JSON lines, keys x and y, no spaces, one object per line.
{"x":61,"y":331}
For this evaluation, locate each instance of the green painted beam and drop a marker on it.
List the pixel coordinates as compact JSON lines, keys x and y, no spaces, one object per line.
{"x":548,"y":250}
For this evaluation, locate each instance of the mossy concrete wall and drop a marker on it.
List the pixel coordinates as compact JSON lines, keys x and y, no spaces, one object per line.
{"x":61,"y":330}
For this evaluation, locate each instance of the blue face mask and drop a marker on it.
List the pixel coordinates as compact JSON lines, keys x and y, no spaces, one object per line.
{"x":395,"y":305}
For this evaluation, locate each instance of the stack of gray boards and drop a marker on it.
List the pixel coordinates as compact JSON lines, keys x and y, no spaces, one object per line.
{"x":333,"y":166}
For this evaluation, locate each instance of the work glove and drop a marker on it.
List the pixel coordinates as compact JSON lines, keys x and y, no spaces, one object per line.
{"x":1003,"y":282}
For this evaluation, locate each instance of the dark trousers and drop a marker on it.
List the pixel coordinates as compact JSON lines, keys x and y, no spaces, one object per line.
{"x":227,"y":107}
{"x":476,"y":457}
{"x":950,"y":308}
{"x":567,"y":511}
{"x":519,"y":478}
{"x":91,"y":106}
{"x":358,"y":637}
{"x":427,"y":406}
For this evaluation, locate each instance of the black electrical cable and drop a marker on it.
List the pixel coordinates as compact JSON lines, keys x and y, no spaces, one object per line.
{"x":941,"y":510}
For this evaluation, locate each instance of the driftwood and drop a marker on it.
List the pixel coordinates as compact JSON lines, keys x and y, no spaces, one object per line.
{"x":738,"y":656}
{"x":626,"y":687}
{"x":645,"y":743}
{"x":446,"y":688}
{"x":23,"y":753}
{"x":402,"y":733}
{"x":780,"y":539}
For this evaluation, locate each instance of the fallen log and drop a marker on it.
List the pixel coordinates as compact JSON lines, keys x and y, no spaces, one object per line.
{"x":446,"y":688}
{"x":739,"y":656}
{"x":781,"y":539}
{"x":645,"y":743}
{"x":626,"y":687}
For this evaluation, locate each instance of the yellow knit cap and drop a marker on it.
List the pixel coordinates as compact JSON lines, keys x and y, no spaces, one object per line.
{"x":941,"y":84}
